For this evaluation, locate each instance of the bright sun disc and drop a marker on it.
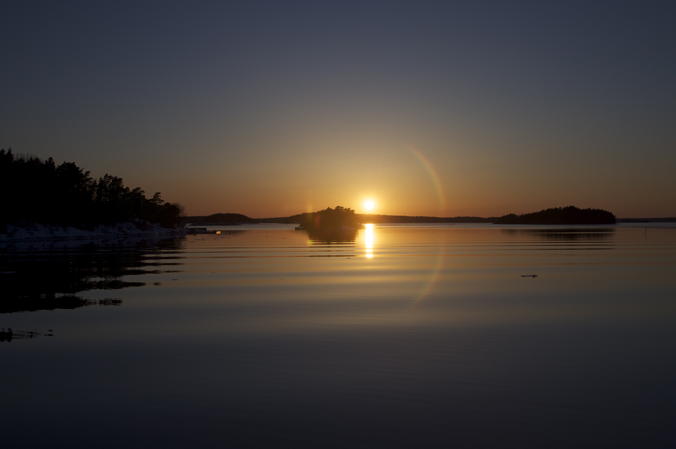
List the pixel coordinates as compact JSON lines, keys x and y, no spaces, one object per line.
{"x":369,"y":205}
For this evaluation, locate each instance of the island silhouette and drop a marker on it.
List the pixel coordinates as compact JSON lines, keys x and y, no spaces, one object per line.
{"x":341,"y":217}
{"x":339,"y":224}
{"x":560,"y":215}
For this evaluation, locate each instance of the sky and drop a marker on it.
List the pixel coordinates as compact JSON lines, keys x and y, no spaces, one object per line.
{"x":430,"y":108}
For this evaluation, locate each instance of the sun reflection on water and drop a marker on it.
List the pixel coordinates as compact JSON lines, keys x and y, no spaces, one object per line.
{"x":369,"y":240}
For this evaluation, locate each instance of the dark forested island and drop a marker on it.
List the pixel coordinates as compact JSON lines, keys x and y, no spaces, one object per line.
{"x":33,"y":191}
{"x":560,"y":215}
{"x":337,"y":224}
{"x":334,"y":218}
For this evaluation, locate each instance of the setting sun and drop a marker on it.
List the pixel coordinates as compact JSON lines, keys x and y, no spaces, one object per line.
{"x":369,"y":205}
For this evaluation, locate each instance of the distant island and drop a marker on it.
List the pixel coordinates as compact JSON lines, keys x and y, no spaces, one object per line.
{"x":569,"y":215}
{"x":42,"y":194}
{"x":560,"y":215}
{"x":339,"y":224}
{"x":340,"y":218}
{"x":220,"y":219}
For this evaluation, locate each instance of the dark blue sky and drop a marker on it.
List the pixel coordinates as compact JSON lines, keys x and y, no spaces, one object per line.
{"x":272,"y":107}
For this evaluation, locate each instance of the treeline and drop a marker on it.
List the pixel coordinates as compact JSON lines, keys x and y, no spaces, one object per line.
{"x":560,"y":215}
{"x":37,"y":191}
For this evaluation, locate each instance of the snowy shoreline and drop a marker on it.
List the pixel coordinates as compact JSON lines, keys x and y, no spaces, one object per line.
{"x":47,"y":233}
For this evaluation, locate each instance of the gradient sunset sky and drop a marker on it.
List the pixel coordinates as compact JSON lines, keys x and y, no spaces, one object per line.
{"x":273,"y":108}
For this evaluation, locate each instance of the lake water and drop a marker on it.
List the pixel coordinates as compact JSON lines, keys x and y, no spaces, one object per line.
{"x":408,"y":336}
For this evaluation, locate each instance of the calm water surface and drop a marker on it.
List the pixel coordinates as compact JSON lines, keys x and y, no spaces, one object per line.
{"x":409,"y":336}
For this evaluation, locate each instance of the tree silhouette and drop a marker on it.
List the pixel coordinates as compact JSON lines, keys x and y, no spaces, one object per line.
{"x":36,"y":191}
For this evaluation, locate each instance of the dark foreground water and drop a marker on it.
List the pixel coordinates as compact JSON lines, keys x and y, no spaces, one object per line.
{"x":408,"y":337}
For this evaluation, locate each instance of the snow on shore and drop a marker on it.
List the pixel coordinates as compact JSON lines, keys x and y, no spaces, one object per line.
{"x":38,"y":232}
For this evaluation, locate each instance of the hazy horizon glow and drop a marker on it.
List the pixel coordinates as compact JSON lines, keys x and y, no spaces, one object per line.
{"x":270,"y":109}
